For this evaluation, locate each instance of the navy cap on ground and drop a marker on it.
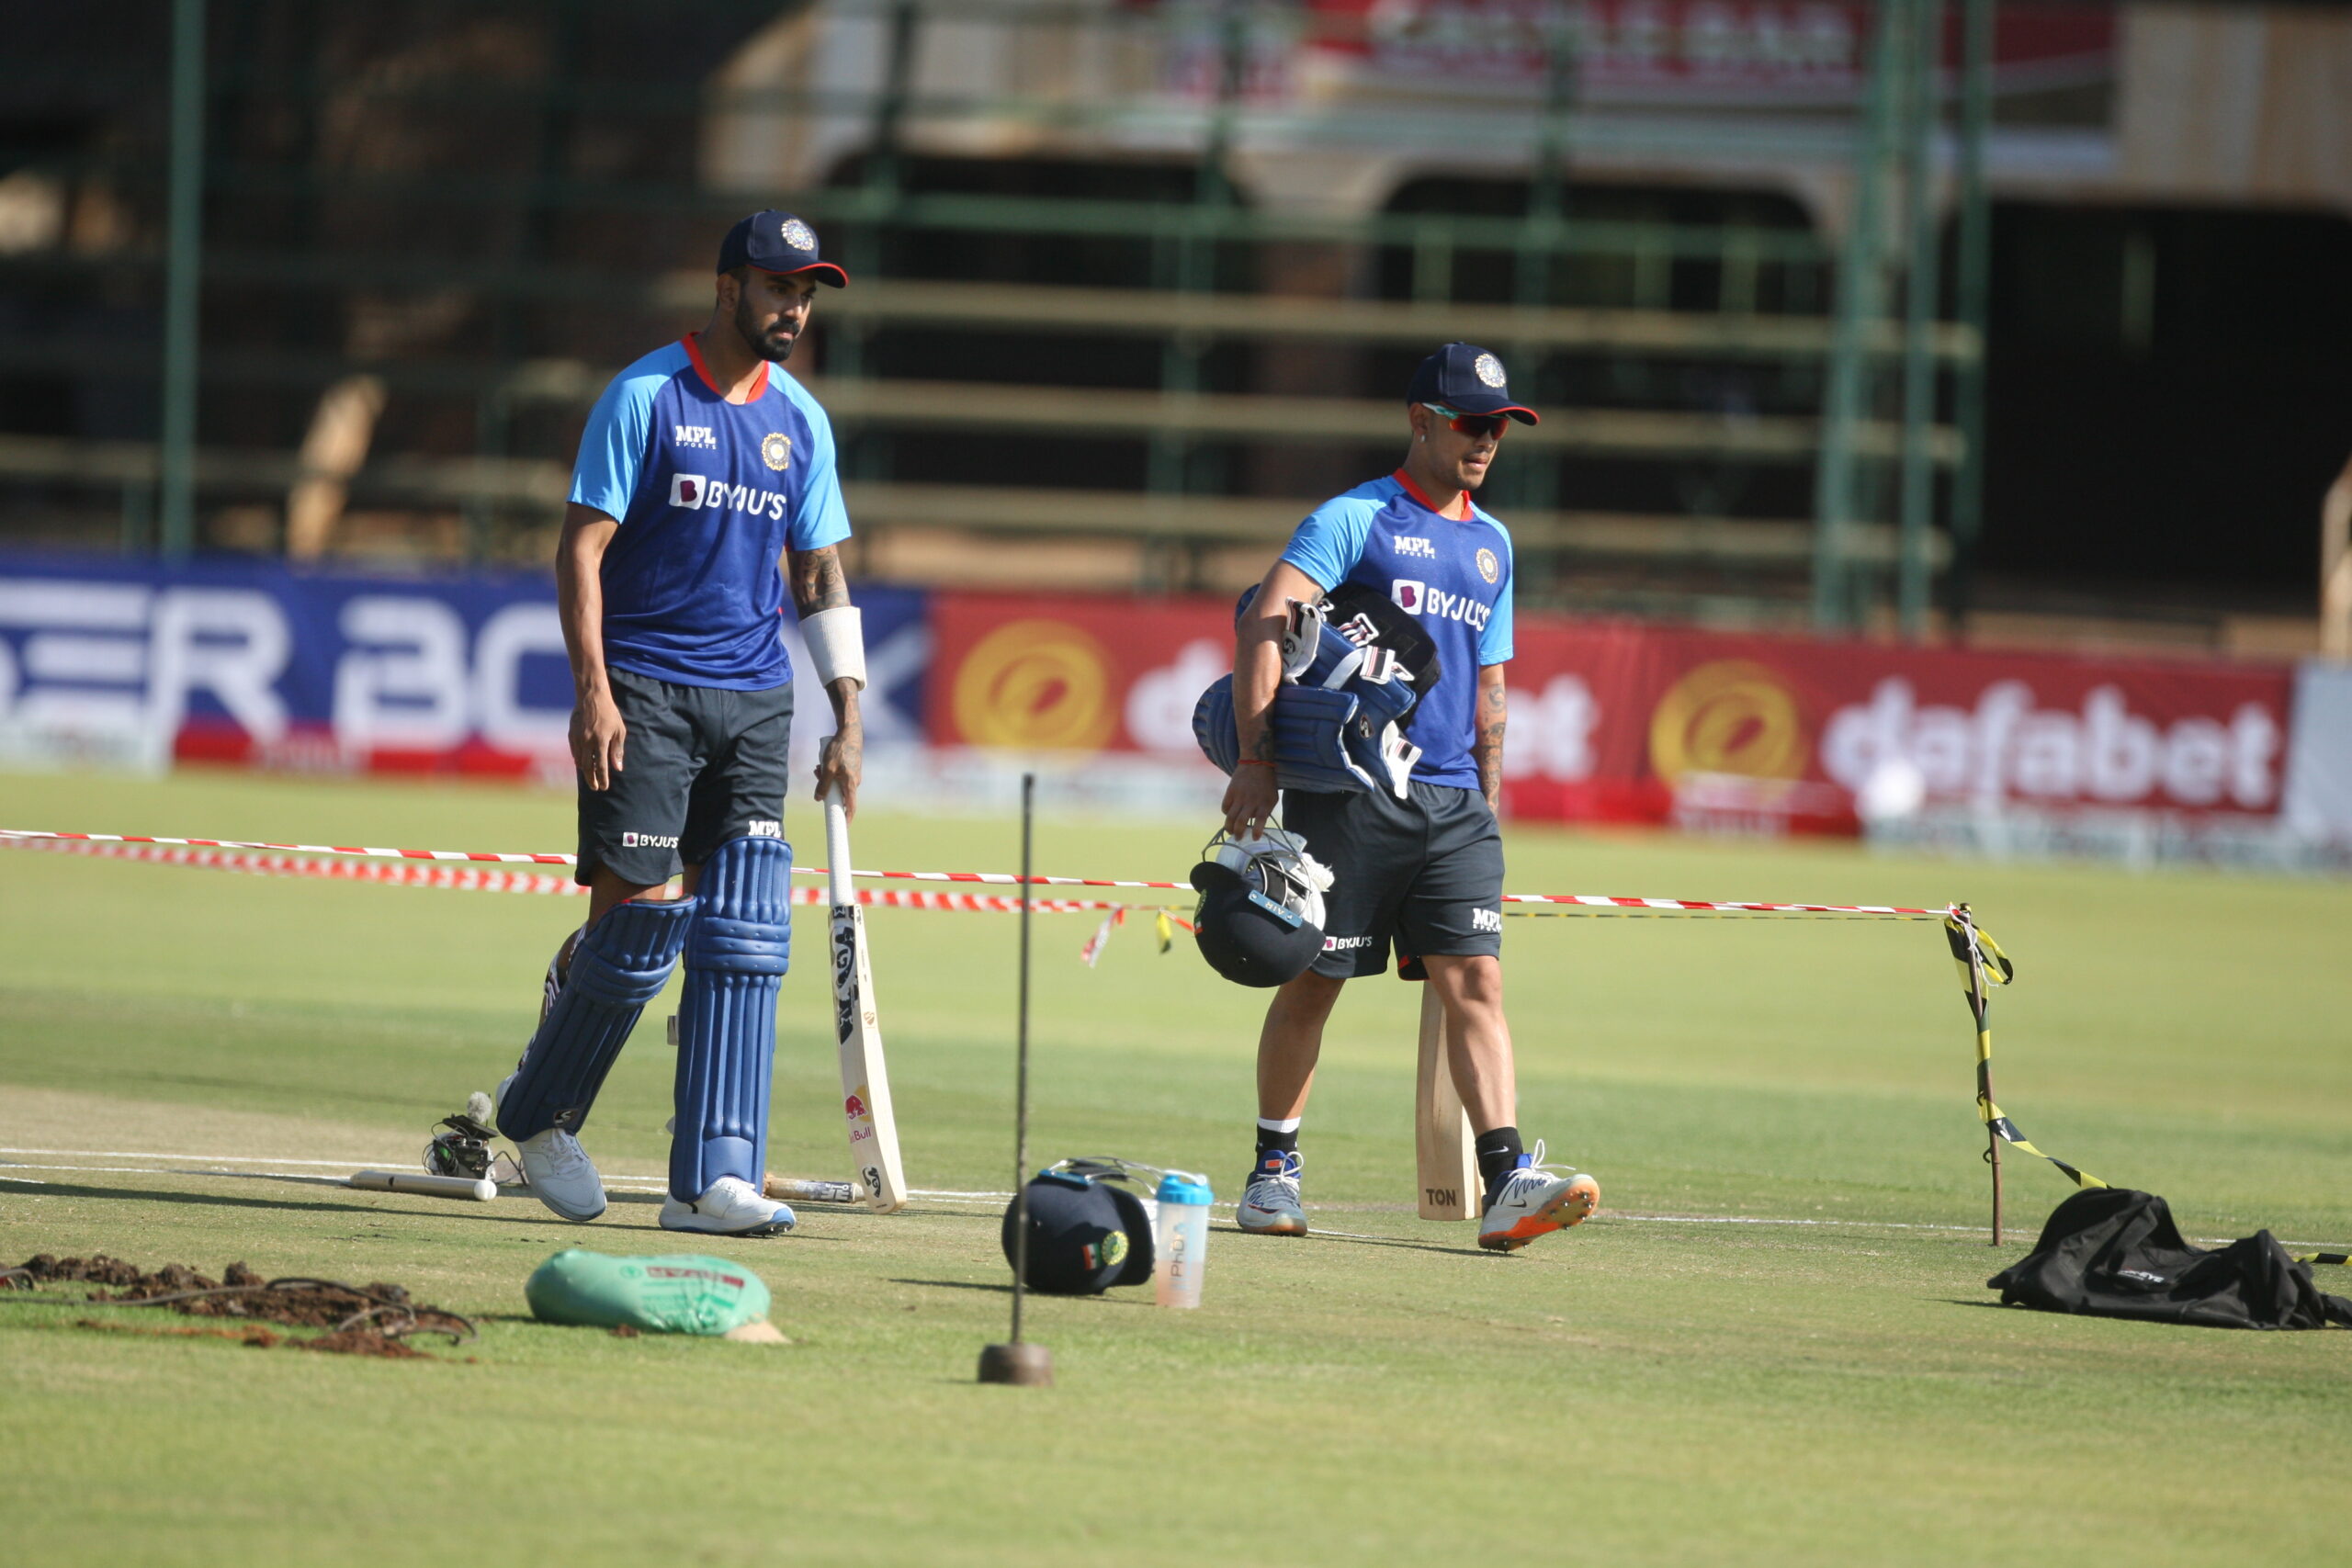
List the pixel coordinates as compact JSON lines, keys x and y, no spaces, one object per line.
{"x":778,"y":241}
{"x":1468,"y":379}
{"x":1084,"y":1235}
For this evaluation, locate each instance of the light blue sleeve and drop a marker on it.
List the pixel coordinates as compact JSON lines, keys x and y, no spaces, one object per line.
{"x":613,"y":446}
{"x":822,"y":519}
{"x":1330,"y":541}
{"x":1495,"y":642}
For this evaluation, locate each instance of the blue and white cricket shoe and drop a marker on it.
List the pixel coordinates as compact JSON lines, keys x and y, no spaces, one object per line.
{"x":1270,"y":1205}
{"x":1537,"y":1200}
{"x":732,"y":1207}
{"x":558,"y":1170}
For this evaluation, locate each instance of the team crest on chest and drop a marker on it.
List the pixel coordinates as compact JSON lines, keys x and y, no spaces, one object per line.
{"x":1489,"y":567}
{"x":775,"y":451}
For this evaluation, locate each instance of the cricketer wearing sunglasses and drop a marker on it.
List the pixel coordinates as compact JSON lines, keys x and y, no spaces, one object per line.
{"x":705,"y":490}
{"x":1423,"y":875}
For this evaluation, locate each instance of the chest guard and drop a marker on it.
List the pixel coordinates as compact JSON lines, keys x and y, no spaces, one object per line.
{"x":1353,"y":669}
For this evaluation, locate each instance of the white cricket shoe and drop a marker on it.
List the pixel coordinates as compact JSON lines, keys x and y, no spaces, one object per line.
{"x":556,"y":1169}
{"x":561,"y":1174}
{"x":1270,"y":1206}
{"x":732,"y":1207}
{"x":1535,"y":1200}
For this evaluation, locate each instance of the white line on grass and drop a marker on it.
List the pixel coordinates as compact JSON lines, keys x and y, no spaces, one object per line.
{"x":6,"y":1165}
{"x":636,"y":1183}
{"x":141,"y":1154}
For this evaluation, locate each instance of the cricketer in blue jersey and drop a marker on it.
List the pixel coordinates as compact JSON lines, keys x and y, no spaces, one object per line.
{"x":704,"y":494}
{"x":1421,"y":874}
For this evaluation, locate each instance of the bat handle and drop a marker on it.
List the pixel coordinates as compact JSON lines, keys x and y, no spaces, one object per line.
{"x":839,"y":888}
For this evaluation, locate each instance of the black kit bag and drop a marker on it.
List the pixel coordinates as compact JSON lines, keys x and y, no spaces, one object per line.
{"x":2112,"y":1252}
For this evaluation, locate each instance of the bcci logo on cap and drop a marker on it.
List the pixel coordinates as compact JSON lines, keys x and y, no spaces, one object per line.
{"x":1489,"y":370}
{"x":798,"y":235}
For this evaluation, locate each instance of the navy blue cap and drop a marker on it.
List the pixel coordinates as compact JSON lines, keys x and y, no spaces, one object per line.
{"x":1085,"y":1235}
{"x":1468,"y":379}
{"x":776,"y":242}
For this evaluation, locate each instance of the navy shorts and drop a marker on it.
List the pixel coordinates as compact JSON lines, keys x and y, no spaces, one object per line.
{"x":1424,"y":875}
{"x":699,"y":766}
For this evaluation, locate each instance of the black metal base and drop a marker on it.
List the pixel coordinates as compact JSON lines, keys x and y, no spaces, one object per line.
{"x":1029,"y":1365}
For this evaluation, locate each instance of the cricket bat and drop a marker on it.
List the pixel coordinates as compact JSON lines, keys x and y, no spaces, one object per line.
{"x":1443,"y":1147}
{"x":866,"y":1077}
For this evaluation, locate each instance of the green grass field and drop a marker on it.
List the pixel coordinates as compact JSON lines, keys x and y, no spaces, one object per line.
{"x":1773,"y":1345}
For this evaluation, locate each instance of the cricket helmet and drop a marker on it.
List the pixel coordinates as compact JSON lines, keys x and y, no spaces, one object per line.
{"x":1260,"y":922}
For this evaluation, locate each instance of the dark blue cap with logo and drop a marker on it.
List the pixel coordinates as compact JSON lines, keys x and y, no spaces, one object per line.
{"x":778,"y":241}
{"x":1467,"y":379}
{"x":1087,"y":1232}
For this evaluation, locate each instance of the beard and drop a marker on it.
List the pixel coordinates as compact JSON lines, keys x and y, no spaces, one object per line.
{"x":775,"y":344}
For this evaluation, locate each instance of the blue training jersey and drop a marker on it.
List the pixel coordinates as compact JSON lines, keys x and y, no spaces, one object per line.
{"x":708,"y":494}
{"x":1453,"y":573}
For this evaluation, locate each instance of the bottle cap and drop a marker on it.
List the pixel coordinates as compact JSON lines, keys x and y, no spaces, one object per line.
{"x":1183,"y":1187}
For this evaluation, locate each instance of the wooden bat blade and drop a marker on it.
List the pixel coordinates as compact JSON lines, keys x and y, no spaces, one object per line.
{"x":866,"y":1076}
{"x":1444,"y":1149}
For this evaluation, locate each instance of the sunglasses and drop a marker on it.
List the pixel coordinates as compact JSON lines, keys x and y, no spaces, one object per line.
{"x":1476,"y":425}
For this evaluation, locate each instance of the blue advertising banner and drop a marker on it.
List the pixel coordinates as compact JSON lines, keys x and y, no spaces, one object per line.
{"x":130,"y":661}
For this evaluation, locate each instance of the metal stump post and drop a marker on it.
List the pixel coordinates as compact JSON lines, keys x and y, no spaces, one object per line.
{"x":1019,"y":1362}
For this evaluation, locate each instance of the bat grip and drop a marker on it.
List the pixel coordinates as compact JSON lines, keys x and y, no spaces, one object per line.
{"x":839,"y":888}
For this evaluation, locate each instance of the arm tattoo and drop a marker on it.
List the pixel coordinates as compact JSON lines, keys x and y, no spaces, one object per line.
{"x":817,"y":580}
{"x":1487,"y":749}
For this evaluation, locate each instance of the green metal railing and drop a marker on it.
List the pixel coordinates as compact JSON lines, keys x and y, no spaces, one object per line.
{"x":1880,"y":361}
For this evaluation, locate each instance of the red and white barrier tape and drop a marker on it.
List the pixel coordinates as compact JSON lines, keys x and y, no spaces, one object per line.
{"x":1594,"y":904}
{"x":467,"y":878}
{"x":1553,"y":903}
{"x":999,"y":878}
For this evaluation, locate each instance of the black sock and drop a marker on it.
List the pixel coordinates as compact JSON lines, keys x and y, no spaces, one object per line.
{"x":1272,"y":1146}
{"x":1498,"y":1153}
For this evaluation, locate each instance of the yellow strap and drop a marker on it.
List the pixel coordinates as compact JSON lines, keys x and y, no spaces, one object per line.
{"x":1971,"y":947}
{"x":2001,"y":971}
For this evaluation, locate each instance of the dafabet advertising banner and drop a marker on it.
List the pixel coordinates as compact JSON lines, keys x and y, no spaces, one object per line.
{"x":255,"y":664}
{"x":1609,"y":720}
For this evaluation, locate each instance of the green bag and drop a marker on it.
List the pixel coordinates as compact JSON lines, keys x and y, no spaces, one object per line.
{"x":685,"y":1295}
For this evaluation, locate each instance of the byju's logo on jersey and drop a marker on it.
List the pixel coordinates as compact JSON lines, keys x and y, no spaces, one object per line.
{"x":1420,"y":599}
{"x":690,"y":492}
{"x":699,"y":437}
{"x":1421,"y":548}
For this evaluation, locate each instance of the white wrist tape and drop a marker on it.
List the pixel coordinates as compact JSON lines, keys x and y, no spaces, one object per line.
{"x":836,"y":641}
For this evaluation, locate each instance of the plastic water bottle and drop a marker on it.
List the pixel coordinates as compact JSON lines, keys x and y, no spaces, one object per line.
{"x":1181,"y":1238}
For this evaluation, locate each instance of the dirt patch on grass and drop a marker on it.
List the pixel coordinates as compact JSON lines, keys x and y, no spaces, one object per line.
{"x":360,"y":1320}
